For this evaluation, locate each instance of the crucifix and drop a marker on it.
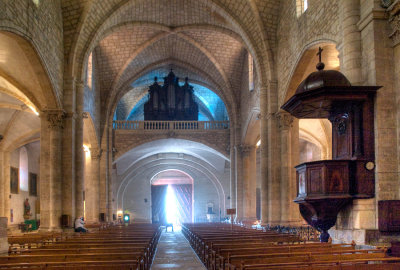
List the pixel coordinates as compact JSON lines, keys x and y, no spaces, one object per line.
{"x":320,"y":54}
{"x":320,"y":65}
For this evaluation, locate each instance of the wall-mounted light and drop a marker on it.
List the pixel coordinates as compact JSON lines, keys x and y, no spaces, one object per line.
{"x":258,"y":143}
{"x":34,"y":110}
{"x":86,"y":148}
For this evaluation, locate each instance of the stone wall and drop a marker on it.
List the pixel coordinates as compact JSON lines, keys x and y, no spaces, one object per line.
{"x":41,"y":24}
{"x":137,"y":197}
{"x":249,"y":100}
{"x":319,"y":23}
{"x":128,"y":139}
{"x":92,"y":96}
{"x":17,"y":200}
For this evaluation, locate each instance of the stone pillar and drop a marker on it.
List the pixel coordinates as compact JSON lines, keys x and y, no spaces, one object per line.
{"x":2,"y":184}
{"x":110,"y":196}
{"x":249,"y":182}
{"x":294,"y":211}
{"x":6,"y":185}
{"x":3,"y":236}
{"x":56,"y":124}
{"x":239,"y":184}
{"x":394,"y":19}
{"x":68,"y":186}
{"x":79,"y":161}
{"x":50,"y":169}
{"x":102,"y":184}
{"x":232,"y":194}
{"x":110,"y":184}
{"x":377,"y":69}
{"x":273,"y":161}
{"x":285,"y":122}
{"x":92,"y":187}
{"x":351,"y":41}
{"x":264,"y":154}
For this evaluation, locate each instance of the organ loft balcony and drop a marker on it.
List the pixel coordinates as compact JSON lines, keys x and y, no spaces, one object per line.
{"x":172,"y":109}
{"x":129,"y":134}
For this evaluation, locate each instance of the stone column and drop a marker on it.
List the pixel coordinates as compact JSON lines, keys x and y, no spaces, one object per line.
{"x":110,"y":184}
{"x":79,"y":161}
{"x":351,"y":41}
{"x":102,"y":184}
{"x":294,"y":211}
{"x":3,"y":236}
{"x":50,"y":169}
{"x":285,"y":122}
{"x":264,"y":154}
{"x":2,"y":184}
{"x":232,"y":194}
{"x":239,"y":184}
{"x":394,"y":19}
{"x":249,"y":182}
{"x":6,"y":185}
{"x":68,"y":186}
{"x":273,"y":157}
{"x":92,"y":187}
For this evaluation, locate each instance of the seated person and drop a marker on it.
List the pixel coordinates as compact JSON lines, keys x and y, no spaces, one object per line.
{"x":80,"y":225}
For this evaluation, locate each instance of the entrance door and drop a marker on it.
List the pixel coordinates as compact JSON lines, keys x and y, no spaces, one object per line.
{"x":158,"y":196}
{"x":183,"y":195}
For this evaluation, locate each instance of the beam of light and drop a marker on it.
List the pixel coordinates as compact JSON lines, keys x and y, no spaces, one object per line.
{"x":171,"y":206}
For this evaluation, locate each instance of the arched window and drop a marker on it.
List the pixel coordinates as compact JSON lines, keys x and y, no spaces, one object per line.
{"x":23,"y":169}
{"x":251,"y":72}
{"x":301,"y":7}
{"x":89,"y":71}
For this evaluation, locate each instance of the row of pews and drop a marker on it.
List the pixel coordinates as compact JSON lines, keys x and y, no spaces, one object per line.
{"x":116,"y":247}
{"x":223,"y":246}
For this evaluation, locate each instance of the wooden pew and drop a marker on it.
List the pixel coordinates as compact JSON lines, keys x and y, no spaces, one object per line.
{"x":221,"y":248}
{"x":130,"y":247}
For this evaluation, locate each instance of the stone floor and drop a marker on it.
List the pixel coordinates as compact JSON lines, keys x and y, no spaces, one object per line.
{"x":174,"y":252}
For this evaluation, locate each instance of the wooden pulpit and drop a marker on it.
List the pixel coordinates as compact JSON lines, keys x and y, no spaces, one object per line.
{"x":325,"y":187}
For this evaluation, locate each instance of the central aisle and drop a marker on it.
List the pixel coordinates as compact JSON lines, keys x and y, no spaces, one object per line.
{"x":174,"y":252}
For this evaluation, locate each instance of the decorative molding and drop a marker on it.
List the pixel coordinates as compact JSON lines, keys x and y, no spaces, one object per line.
{"x":95,"y":153}
{"x":245,"y":149}
{"x":285,"y":120}
{"x":55,"y":118}
{"x":394,"y":21}
{"x":171,"y":134}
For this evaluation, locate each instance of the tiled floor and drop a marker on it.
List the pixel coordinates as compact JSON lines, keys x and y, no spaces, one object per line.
{"x":174,"y":252}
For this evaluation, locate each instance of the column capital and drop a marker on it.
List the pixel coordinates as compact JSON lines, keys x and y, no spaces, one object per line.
{"x":394,"y":21}
{"x":95,"y":153}
{"x":285,"y":120}
{"x":55,"y":118}
{"x":245,"y":149}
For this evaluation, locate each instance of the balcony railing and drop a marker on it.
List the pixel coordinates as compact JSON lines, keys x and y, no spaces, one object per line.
{"x":171,"y":125}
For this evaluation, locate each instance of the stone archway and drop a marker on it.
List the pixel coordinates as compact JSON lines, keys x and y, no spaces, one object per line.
{"x":36,"y":115}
